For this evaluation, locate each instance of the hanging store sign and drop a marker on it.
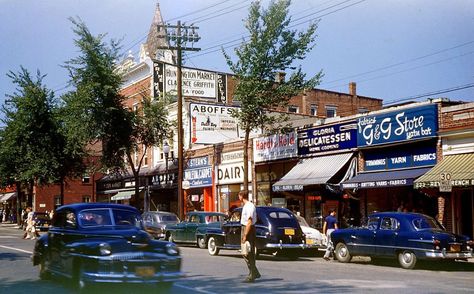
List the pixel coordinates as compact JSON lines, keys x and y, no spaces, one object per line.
{"x":195,"y":82}
{"x":400,"y":157}
{"x":274,"y":147}
{"x":231,"y":168}
{"x":330,"y":138}
{"x":397,"y":126}
{"x":198,"y":172}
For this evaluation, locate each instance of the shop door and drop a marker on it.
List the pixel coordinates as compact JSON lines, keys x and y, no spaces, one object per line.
{"x":466,"y":215}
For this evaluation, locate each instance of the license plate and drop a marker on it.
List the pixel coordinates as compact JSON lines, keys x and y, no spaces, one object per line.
{"x":144,"y":271}
{"x":289,"y":232}
{"x":309,"y":241}
{"x":455,"y":248}
{"x":46,"y":225}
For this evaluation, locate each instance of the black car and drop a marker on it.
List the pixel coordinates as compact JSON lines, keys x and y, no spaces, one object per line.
{"x":102,"y":242}
{"x":407,"y":237}
{"x":277,"y":230}
{"x":42,"y":221}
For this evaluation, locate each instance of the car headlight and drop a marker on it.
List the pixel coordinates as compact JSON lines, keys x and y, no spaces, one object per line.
{"x":105,"y":249}
{"x":171,"y":249}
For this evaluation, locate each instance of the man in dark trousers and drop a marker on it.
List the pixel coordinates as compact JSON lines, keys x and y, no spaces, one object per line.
{"x":247,"y":220}
{"x":330,"y":224}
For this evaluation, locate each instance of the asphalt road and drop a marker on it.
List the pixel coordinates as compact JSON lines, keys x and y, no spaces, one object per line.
{"x":225,"y":273}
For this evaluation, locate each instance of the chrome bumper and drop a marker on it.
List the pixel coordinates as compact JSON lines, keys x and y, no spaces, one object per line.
{"x":449,"y":255}
{"x":286,"y":246}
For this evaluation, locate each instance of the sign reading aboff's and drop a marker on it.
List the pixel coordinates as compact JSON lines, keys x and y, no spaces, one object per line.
{"x":401,"y":125}
{"x":330,"y":138}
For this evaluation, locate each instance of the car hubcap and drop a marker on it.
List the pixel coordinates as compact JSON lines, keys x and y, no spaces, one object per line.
{"x":343,"y":252}
{"x":407,"y":258}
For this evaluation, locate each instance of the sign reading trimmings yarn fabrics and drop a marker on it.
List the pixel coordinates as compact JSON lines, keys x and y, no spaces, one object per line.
{"x":397,"y":126}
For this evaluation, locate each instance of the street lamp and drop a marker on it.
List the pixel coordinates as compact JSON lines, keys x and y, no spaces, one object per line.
{"x":166,"y":152}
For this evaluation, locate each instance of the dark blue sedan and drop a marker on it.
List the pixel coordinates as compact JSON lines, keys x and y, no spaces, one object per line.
{"x":104,"y":243}
{"x":405,"y":236}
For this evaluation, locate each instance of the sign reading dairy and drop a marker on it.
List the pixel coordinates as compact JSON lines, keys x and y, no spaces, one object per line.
{"x":274,"y":147}
{"x":329,"y":138}
{"x":231,"y":169}
{"x":198,"y":172}
{"x":395,"y":126}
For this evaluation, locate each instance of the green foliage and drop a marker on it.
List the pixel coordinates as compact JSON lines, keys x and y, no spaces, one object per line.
{"x":31,"y":149}
{"x":95,"y":110}
{"x":271,"y":48}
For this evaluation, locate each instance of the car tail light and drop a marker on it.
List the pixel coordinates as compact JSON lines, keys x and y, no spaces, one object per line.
{"x":437,"y":244}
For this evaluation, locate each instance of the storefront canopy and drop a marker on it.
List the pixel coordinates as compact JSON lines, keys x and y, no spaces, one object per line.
{"x":122,"y":195}
{"x":384,"y":179}
{"x":7,"y":196}
{"x":458,"y":169}
{"x":313,"y":171}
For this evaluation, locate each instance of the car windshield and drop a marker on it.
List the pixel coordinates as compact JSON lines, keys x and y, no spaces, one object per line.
{"x":169,"y":218}
{"x":302,"y":221}
{"x":109,"y":217}
{"x":426,"y":223}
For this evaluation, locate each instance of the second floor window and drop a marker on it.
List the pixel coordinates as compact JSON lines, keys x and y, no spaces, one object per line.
{"x":331,"y":111}
{"x":293,"y":109}
{"x":314,"y":109}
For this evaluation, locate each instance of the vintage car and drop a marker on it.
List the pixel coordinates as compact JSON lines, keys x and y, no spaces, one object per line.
{"x":314,"y":238}
{"x":406,"y":236}
{"x":42,"y":221}
{"x":193,"y":228}
{"x":155,"y":222}
{"x":277,"y":231}
{"x":102,"y":242}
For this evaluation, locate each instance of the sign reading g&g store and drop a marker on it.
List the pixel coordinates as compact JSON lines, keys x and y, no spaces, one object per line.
{"x":396,"y":126}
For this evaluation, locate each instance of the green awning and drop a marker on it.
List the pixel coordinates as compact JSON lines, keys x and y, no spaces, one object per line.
{"x":459,"y":169}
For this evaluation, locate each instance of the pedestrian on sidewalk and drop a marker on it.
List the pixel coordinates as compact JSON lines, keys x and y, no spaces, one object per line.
{"x":248,"y":234}
{"x":330,"y":224}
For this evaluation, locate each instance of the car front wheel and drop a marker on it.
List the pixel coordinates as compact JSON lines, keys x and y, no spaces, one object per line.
{"x":212,"y":246}
{"x":342,"y":253}
{"x":201,"y":242}
{"x":407,"y":259}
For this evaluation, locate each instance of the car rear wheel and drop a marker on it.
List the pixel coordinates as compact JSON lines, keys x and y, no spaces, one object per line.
{"x":342,"y":253}
{"x":44,"y":274}
{"x":407,"y":259}
{"x":212,"y":246}
{"x":201,"y":242}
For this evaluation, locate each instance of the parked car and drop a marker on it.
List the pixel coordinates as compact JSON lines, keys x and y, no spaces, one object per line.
{"x":156,"y":222}
{"x":104,"y":243}
{"x":405,"y":236}
{"x":42,"y":221}
{"x":314,"y":238}
{"x":277,"y":231}
{"x":193,"y":228}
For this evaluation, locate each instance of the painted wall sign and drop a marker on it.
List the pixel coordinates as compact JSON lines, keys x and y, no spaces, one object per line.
{"x":198,"y":172}
{"x":396,"y":126}
{"x":275,"y":147}
{"x":400,"y":157}
{"x":329,"y":138}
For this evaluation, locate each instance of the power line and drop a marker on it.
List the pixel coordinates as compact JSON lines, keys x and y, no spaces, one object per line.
{"x":442,"y":91}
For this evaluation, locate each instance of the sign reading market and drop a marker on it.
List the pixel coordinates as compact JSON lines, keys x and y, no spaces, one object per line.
{"x":396,"y":126}
{"x":329,"y":138}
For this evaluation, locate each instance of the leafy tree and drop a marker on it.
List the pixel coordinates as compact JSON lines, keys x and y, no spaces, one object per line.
{"x":95,"y":110}
{"x":31,"y":147}
{"x":272,"y":47}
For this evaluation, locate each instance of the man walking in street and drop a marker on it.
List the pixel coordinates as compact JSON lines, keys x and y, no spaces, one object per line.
{"x":330,"y":224}
{"x":248,"y":220}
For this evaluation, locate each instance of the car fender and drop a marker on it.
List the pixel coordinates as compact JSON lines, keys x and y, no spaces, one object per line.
{"x":40,"y":249}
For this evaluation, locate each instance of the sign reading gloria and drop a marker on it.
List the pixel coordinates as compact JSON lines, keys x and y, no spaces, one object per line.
{"x":401,"y":125}
{"x":274,"y":147}
{"x":330,"y":138}
{"x":196,"y":83}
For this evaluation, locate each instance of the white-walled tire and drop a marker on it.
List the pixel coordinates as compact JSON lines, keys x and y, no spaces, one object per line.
{"x":212,"y":246}
{"x":407,"y":259}
{"x":342,"y":253}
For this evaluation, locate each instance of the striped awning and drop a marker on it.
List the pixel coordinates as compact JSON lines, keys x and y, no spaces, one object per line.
{"x":383,"y":179}
{"x":313,"y":171}
{"x":7,"y":196}
{"x":458,"y":169}
{"x":123,"y":195}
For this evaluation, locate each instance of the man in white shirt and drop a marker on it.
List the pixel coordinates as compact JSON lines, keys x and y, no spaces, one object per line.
{"x":248,"y":220}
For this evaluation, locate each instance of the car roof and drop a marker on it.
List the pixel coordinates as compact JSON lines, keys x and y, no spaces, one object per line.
{"x":206,"y":213}
{"x":407,"y":215}
{"x":95,"y":205}
{"x":160,"y":212}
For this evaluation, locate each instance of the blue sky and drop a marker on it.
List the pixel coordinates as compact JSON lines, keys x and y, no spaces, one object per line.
{"x":395,"y":50}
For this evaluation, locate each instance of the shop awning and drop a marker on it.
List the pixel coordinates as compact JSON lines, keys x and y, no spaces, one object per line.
{"x":7,"y":196}
{"x":459,"y":169}
{"x":122,"y":195}
{"x":313,"y":171}
{"x":383,"y":179}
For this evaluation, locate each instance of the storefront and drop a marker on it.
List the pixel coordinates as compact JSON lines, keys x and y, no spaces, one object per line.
{"x":198,"y":175}
{"x":311,"y":187}
{"x":164,"y":186}
{"x":229,"y":180}
{"x":395,"y":148}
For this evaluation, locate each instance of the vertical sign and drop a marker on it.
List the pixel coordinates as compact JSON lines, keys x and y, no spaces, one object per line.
{"x":158,"y":69}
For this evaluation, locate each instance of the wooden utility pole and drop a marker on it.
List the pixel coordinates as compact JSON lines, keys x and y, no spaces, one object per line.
{"x":181,"y":36}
